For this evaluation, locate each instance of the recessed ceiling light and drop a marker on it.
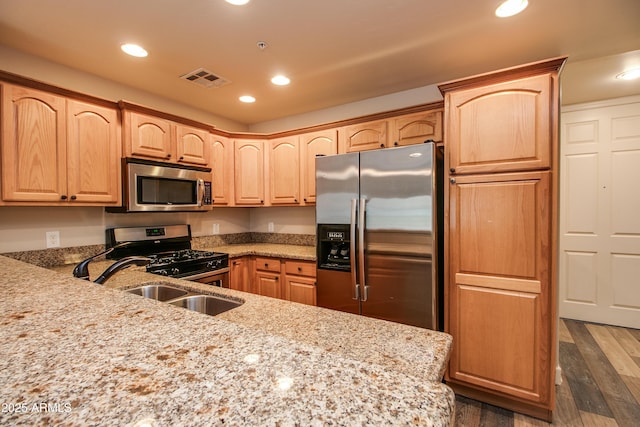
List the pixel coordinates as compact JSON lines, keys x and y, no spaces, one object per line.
{"x":247,"y":98}
{"x":280,"y":80}
{"x":237,"y":2}
{"x":134,"y":50}
{"x":511,"y":7}
{"x":629,"y":74}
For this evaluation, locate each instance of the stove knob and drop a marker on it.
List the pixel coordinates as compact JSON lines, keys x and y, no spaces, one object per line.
{"x":211,"y":264}
{"x":175,"y":271}
{"x":162,"y":272}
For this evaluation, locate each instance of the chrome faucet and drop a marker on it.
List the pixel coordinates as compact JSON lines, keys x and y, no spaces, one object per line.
{"x":81,"y":270}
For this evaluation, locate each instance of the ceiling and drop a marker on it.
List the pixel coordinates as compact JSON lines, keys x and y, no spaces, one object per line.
{"x":334,"y":51}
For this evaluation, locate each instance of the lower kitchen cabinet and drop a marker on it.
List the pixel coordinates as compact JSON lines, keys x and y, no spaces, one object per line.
{"x":267,"y":276}
{"x":499,"y":292}
{"x":300,"y":282}
{"x":239,"y":278}
{"x":289,"y":279}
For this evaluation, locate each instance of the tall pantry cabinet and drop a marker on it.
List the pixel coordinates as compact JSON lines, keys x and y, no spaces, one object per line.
{"x":501,"y":171}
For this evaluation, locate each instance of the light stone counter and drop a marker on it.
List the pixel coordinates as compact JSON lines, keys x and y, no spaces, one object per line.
{"x":305,"y":253}
{"x":76,"y":353}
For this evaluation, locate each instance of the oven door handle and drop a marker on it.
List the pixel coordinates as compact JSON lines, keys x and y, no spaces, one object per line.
{"x":211,"y":273}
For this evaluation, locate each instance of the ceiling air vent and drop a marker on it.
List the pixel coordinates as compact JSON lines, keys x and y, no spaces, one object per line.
{"x":204,"y":78}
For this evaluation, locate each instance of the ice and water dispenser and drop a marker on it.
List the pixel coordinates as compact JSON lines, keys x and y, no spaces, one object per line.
{"x":334,"y":247}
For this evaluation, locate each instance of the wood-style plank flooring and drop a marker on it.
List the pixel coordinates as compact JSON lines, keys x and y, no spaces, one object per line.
{"x":600,"y":387}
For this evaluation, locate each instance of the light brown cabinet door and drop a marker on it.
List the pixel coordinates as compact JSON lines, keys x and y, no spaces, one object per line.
{"x":249,"y":172}
{"x":222,"y":171}
{"x":268,"y":284}
{"x":500,"y":127}
{"x":284,"y":171}
{"x":499,"y":283}
{"x":416,"y":128}
{"x":34,"y":144}
{"x":239,"y":278}
{"x":192,"y":145}
{"x":149,"y":136}
{"x":93,"y":155}
{"x":301,"y":289}
{"x":314,"y":144}
{"x":366,"y":136}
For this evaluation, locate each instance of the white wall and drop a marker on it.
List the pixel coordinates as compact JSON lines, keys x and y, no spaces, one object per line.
{"x":394,"y":101}
{"x":24,"y":228}
{"x":289,"y":220}
{"x":51,"y":73}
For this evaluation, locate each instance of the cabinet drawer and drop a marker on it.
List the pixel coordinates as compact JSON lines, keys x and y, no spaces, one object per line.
{"x":300,"y":268}
{"x":268,"y":264}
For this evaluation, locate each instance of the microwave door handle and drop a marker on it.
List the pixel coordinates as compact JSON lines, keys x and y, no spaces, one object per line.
{"x":200,"y":192}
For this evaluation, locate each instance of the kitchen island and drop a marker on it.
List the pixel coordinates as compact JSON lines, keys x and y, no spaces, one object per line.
{"x":77,"y":353}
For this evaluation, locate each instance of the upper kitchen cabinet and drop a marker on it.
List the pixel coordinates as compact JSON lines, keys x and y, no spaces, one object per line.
{"x":249,"y":185}
{"x":500,"y":127}
{"x":416,"y":128}
{"x":365,"y":136}
{"x":160,"y":138}
{"x":321,"y":143}
{"x":93,"y":155}
{"x":222,"y":171}
{"x":58,"y":151}
{"x":192,"y":145}
{"x":284,"y":171}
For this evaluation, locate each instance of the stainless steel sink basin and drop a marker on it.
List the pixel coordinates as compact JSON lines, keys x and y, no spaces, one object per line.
{"x":158,"y":292}
{"x":206,"y":304}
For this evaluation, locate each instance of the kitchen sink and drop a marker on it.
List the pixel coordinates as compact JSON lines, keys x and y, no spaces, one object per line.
{"x":206,"y":304}
{"x":158,"y":292}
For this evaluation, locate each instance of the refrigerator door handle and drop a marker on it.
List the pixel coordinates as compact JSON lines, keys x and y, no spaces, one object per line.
{"x":352,"y":249}
{"x":361,"y":227}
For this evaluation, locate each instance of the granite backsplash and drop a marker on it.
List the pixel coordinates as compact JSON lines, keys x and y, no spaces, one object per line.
{"x":48,"y":258}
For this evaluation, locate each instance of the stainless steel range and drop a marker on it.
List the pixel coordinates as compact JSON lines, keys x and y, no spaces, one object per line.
{"x":169,"y":249}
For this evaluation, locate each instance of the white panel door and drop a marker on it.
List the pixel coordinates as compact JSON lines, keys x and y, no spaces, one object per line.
{"x":600,"y":212}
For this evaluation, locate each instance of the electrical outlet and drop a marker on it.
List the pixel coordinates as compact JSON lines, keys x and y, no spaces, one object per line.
{"x":270,"y":227}
{"x":53,"y":239}
{"x":216,"y":228}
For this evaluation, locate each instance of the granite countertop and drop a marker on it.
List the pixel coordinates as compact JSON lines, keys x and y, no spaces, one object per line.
{"x":305,"y":253}
{"x":77,"y":353}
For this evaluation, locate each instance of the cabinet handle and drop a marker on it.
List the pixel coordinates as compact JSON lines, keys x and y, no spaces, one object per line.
{"x":63,"y":197}
{"x":73,"y":197}
{"x":452,"y":180}
{"x":261,"y":201}
{"x":169,"y":156}
{"x":396,"y":143}
{"x":305,"y":199}
{"x":266,"y":265}
{"x":299,"y":268}
{"x":452,"y":170}
{"x":295,"y":200}
{"x":381,"y":145}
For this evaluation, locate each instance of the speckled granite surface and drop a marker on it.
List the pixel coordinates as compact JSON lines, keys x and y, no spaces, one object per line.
{"x":306,"y":253}
{"x":58,"y":256}
{"x":76,"y":353}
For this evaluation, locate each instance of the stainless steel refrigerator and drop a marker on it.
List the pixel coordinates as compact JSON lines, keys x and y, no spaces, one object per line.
{"x":378,"y":222}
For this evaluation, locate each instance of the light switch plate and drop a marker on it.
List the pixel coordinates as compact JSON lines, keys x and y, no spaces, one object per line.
{"x":270,"y":227}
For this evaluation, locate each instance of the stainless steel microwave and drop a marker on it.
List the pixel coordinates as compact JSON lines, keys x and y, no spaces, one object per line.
{"x":150,"y":186}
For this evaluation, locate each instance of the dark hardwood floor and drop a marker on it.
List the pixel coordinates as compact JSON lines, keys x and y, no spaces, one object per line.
{"x":600,"y":387}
